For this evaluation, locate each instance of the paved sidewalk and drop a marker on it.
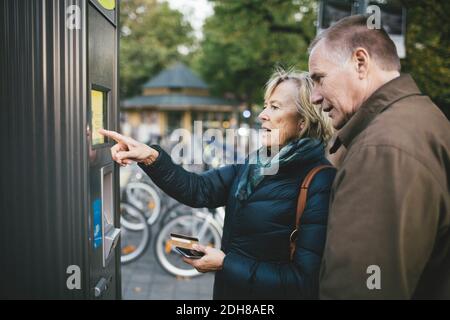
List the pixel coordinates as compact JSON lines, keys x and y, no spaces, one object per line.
{"x":144,"y":279}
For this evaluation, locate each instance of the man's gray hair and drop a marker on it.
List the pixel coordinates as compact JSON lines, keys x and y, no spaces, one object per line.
{"x":352,"y":32}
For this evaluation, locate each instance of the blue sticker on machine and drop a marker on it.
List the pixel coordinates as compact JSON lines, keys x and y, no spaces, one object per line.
{"x":97,"y":209}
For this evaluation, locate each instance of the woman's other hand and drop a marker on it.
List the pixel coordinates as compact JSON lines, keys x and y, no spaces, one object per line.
{"x":211,"y":261}
{"x":128,"y":150}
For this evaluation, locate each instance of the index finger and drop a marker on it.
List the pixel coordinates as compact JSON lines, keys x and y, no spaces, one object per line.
{"x":113,"y":135}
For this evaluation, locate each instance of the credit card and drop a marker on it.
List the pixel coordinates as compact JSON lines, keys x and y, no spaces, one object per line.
{"x":182,"y":241}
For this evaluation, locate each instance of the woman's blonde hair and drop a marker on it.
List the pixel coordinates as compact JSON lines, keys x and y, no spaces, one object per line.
{"x":317,"y":123}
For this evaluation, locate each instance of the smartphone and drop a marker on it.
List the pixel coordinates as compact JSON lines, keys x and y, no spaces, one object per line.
{"x":189,"y":253}
{"x":183,"y":245}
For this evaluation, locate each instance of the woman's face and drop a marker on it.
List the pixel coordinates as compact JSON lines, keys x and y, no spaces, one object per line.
{"x":280,"y":114}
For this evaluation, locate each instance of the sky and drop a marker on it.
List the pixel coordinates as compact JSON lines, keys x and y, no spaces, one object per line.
{"x":195,"y":11}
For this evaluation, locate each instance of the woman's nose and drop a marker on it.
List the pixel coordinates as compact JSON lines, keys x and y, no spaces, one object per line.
{"x":263,"y":116}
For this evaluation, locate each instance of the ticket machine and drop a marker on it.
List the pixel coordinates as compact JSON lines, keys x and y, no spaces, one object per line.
{"x":60,"y":191}
{"x":102,"y":112}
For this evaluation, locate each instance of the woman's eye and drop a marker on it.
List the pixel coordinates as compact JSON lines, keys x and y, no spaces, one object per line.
{"x":274,"y":107}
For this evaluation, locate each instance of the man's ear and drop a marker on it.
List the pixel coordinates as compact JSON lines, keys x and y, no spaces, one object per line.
{"x":362,"y":60}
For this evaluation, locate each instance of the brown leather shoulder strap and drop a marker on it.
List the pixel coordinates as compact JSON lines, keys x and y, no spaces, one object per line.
{"x":301,"y":202}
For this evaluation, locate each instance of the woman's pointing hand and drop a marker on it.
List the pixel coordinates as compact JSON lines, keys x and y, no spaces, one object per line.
{"x":127,"y":150}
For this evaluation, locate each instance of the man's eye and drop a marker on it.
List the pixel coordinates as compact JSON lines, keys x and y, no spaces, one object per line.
{"x":274,"y":107}
{"x":318,"y":80}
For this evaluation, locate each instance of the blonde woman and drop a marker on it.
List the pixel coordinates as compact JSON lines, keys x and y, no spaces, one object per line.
{"x":254,"y":261}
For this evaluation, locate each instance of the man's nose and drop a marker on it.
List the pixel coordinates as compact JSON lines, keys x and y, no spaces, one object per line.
{"x":316,"y":97}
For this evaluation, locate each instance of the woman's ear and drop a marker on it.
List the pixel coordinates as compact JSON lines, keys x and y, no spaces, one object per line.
{"x":301,"y":125}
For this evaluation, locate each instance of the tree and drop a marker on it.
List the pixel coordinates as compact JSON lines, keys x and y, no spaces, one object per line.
{"x":151,"y":34}
{"x":428,"y":48}
{"x":244,"y":40}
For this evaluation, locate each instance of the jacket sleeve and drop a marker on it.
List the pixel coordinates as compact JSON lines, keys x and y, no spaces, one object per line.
{"x":382,"y":226}
{"x":292,"y":280}
{"x":208,"y":189}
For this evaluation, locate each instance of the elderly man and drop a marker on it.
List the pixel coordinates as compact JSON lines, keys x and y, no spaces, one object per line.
{"x":388,"y":229}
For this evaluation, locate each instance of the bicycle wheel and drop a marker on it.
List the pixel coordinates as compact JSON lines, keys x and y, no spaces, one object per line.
{"x":133,"y":242}
{"x":193,"y":225}
{"x":146,"y":199}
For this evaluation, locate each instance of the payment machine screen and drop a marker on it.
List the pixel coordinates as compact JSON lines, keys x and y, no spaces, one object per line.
{"x":98,"y":114}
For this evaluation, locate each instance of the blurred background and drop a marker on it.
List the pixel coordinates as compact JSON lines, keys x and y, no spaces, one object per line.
{"x":183,"y":61}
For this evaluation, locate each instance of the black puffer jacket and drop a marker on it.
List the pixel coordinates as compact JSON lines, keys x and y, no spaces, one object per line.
{"x":256,"y":232}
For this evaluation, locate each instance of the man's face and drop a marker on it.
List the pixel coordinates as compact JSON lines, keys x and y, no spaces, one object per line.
{"x":336,"y":85}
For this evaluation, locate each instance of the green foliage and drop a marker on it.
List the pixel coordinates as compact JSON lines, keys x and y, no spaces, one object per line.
{"x":244,"y":40}
{"x":428,"y":48}
{"x":150,"y":36}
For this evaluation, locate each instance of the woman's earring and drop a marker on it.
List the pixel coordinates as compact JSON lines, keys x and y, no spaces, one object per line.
{"x":302,"y":125}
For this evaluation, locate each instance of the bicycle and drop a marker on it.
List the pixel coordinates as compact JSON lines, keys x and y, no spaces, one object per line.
{"x":138,"y":215}
{"x":134,"y":243}
{"x":206,"y":225}
{"x":141,"y":194}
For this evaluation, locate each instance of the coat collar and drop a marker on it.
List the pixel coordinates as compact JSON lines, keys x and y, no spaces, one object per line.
{"x":380,"y":100}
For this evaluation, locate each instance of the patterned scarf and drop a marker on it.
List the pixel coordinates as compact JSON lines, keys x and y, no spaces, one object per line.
{"x":259,"y":165}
